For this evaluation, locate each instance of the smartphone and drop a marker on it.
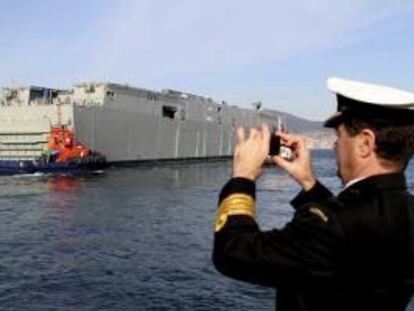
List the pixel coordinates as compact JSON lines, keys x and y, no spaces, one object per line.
{"x":276,"y":148}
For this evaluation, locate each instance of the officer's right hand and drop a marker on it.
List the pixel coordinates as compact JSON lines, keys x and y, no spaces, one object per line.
{"x":250,"y":152}
{"x":300,"y":167}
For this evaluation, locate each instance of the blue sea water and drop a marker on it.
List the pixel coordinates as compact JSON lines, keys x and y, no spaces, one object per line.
{"x":131,"y":239}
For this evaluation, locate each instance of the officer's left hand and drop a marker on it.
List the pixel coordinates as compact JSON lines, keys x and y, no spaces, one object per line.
{"x":300,"y":167}
{"x":250,"y":153}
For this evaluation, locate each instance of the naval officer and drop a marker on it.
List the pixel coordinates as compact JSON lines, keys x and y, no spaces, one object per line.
{"x":354,"y":251}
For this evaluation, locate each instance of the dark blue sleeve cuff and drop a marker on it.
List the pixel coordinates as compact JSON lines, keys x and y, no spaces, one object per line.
{"x":318,"y":193}
{"x":238,"y":185}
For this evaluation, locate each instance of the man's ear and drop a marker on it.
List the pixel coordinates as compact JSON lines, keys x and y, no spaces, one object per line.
{"x":366,"y":142}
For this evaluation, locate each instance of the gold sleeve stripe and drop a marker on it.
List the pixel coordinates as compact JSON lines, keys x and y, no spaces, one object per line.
{"x":235,"y":204}
{"x":318,"y":212}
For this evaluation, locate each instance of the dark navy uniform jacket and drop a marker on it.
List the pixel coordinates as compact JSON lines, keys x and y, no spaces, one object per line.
{"x":350,"y":252}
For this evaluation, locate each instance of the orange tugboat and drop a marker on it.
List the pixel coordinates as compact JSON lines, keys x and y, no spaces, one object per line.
{"x":64,"y":148}
{"x":65,"y":154}
{"x":62,"y":142}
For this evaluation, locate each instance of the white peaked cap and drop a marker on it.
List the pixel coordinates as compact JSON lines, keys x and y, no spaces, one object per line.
{"x":369,"y":100}
{"x":370,"y":93}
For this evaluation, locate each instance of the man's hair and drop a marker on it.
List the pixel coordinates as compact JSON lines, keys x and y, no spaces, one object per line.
{"x":394,"y":142}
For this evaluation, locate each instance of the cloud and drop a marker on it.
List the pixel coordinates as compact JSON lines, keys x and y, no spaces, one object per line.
{"x":159,"y":38}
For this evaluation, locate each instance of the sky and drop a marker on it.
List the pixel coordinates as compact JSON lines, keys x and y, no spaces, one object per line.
{"x":273,"y":51}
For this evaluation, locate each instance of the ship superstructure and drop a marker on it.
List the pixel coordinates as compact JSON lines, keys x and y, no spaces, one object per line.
{"x":123,"y":123}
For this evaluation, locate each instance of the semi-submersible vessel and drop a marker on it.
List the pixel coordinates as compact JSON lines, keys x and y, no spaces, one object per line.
{"x":92,"y":124}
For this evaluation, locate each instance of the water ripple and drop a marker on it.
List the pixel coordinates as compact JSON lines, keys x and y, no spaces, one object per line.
{"x":131,"y":239}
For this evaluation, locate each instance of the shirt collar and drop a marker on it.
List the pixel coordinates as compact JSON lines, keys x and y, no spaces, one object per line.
{"x":352,"y":181}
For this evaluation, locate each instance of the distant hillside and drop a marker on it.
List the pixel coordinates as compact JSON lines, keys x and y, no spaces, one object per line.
{"x":316,"y":135}
{"x":296,"y":124}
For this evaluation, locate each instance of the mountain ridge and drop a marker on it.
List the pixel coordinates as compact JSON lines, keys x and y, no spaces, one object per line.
{"x":317,"y":136}
{"x":294,"y":123}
